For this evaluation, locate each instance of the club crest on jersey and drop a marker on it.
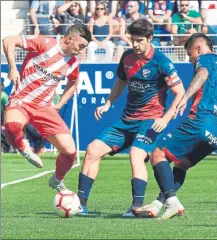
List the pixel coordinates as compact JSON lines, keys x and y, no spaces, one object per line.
{"x":146,"y":73}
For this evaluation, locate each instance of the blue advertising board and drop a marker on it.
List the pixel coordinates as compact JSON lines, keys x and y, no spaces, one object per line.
{"x":95,"y":83}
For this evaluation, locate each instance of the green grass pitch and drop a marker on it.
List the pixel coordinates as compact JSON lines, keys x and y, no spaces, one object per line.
{"x":26,"y":211}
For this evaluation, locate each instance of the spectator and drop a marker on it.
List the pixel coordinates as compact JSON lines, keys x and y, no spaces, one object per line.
{"x":193,"y":5}
{"x":124,"y":7}
{"x":70,"y":13}
{"x":160,"y":12}
{"x":101,"y":24}
{"x":185,"y":22}
{"x":42,"y":12}
{"x":209,"y":18}
{"x":125,"y":21}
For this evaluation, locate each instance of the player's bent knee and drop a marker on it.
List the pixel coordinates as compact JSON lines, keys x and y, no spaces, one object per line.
{"x":185,"y":164}
{"x":93,"y":150}
{"x":157,"y":156}
{"x":14,"y":128}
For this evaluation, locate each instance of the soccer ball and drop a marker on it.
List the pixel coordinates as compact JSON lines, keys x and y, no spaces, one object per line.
{"x":66,"y":204}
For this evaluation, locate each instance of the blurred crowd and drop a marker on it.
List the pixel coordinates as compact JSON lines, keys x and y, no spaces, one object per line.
{"x":108,"y":21}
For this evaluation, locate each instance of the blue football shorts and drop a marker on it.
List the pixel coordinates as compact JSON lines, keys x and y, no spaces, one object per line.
{"x":125,"y":133}
{"x":193,"y":138}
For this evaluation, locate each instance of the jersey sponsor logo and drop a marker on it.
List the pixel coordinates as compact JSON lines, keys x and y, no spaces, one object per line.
{"x":146,"y":73}
{"x":138,"y":86}
{"x":211,"y":137}
{"x":47,"y":74}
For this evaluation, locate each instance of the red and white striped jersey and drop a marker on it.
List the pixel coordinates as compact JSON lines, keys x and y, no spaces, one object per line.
{"x":44,"y":66}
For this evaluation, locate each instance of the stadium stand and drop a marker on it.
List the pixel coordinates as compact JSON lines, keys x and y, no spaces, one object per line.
{"x":13,"y":21}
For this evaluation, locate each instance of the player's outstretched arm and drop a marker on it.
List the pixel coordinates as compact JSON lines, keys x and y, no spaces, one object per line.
{"x":9,"y":45}
{"x":197,"y":82}
{"x":161,"y":123}
{"x":67,"y":94}
{"x":116,"y":91}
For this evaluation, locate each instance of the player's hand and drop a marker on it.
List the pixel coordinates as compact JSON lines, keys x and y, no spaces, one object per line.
{"x":180,"y":107}
{"x":159,"y":125}
{"x":14,"y":76}
{"x":56,"y":106}
{"x":100,"y":110}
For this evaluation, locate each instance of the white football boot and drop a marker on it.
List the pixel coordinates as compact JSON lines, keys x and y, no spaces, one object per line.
{"x":32,"y":158}
{"x":173,"y":208}
{"x":149,"y":211}
{"x":57,"y":184}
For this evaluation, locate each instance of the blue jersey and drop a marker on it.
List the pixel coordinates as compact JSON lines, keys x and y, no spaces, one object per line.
{"x":148,"y":81}
{"x":205,"y":100}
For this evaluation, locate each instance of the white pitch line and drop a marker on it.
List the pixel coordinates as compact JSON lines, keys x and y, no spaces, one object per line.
{"x":26,"y":179}
{"x":30,"y":178}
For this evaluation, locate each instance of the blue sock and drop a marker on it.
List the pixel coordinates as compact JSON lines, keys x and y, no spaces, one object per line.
{"x":138,"y":191}
{"x":84,"y":187}
{"x":165,"y":179}
{"x":179,"y":178}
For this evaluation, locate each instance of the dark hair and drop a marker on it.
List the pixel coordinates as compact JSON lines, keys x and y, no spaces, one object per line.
{"x":81,"y":29}
{"x":195,"y":36}
{"x":141,"y":27}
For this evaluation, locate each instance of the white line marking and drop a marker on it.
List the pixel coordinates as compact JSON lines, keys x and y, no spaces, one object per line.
{"x":26,"y":179}
{"x":30,"y":178}
{"x":27,"y":170}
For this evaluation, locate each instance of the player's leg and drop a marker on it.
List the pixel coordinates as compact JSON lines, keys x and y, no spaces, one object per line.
{"x":64,"y":143}
{"x":15,"y":120}
{"x":143,"y":143}
{"x":51,"y":126}
{"x":95,"y":151}
{"x":173,"y":146}
{"x":111,"y":140}
{"x":139,"y":179}
{"x":179,"y":170}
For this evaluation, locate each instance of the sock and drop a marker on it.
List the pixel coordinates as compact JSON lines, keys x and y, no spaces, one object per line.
{"x":14,"y":134}
{"x":164,"y":178}
{"x":84,"y":188}
{"x":138,"y":191}
{"x":63,"y":164}
{"x":179,"y":178}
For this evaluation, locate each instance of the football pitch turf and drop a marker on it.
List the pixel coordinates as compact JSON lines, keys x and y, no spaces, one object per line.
{"x":27,"y":213}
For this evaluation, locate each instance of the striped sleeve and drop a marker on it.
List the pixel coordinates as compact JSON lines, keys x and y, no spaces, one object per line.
{"x":34,"y":43}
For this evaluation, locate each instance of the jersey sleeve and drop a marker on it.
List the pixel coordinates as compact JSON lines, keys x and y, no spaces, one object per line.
{"x":201,"y":62}
{"x":120,"y":70}
{"x":34,"y":43}
{"x":73,"y":72}
{"x":169,"y":71}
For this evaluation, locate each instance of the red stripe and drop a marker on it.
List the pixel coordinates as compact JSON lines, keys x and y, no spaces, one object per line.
{"x":153,"y":109}
{"x":170,"y":155}
{"x":196,"y":101}
{"x":137,"y":64}
{"x":43,"y":95}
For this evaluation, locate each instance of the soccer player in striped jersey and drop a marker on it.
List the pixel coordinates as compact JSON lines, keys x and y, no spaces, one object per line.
{"x":195,"y":138}
{"x":148,"y":74}
{"x":47,"y":62}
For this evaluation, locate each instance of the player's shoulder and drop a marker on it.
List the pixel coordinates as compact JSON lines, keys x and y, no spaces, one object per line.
{"x":161,"y":58}
{"x":206,"y":59}
{"x":128,"y":53}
